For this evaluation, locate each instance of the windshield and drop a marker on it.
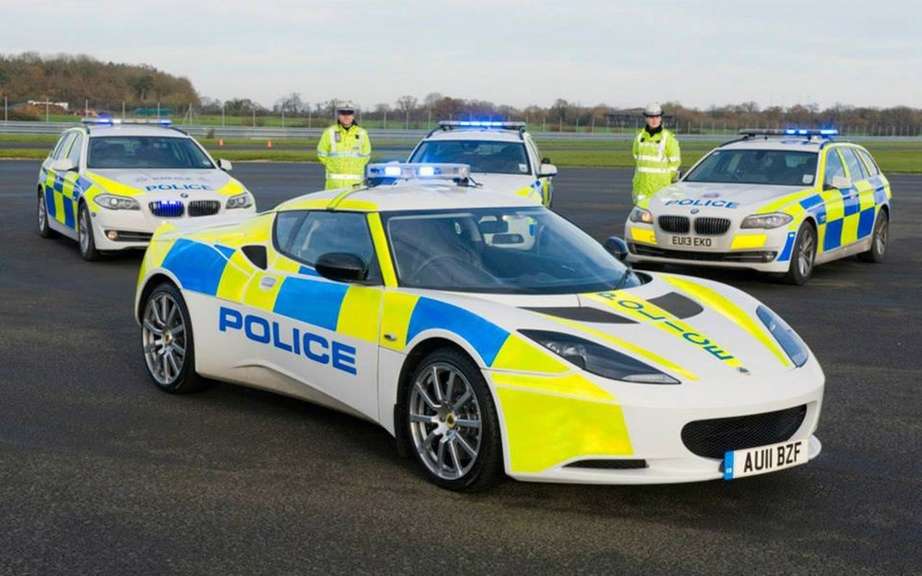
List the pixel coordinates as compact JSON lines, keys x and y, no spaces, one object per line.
{"x":778,"y":167}
{"x":481,"y":155}
{"x":116,"y":152}
{"x":501,"y":250}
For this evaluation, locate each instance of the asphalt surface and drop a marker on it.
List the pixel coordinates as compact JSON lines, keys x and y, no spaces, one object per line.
{"x":102,"y":473}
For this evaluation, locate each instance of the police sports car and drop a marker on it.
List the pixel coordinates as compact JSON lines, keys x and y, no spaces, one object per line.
{"x":502,"y":156}
{"x":410,"y":303}
{"x":108,"y":184}
{"x":777,"y":201}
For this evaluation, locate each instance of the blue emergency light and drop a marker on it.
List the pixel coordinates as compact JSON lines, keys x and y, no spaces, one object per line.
{"x":108,"y":121}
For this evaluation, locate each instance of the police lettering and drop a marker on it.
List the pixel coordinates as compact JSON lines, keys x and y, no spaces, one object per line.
{"x":296,"y":341}
{"x":150,"y":187}
{"x":699,"y":202}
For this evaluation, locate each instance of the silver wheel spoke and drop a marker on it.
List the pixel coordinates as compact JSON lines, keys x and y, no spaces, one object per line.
{"x":172,"y":361}
{"x":152,"y":328}
{"x":171,"y":315}
{"x":467,"y":447}
{"x":435,"y":384}
{"x":425,"y":397}
{"x":453,"y":450}
{"x":180,"y":349}
{"x":178,"y":330}
{"x":440,"y":458}
{"x":421,"y":418}
{"x":462,"y":400}
{"x":449,"y":387}
{"x":469,"y":423}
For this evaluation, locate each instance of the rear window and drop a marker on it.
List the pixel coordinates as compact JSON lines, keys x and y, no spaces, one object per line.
{"x":484,"y":156}
{"x":771,"y":167}
{"x":145,"y":152}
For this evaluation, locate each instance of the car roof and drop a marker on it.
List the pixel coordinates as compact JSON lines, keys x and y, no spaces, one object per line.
{"x":406,"y":196}
{"x":134,"y":130}
{"x":488,"y":134}
{"x":788,"y":143}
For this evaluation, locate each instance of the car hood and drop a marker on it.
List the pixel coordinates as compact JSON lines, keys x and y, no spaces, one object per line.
{"x":524,"y":185}
{"x":717,"y":197}
{"x":700,"y":332}
{"x":191,"y":182}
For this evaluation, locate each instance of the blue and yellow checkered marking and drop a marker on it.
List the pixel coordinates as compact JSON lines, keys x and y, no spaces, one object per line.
{"x":484,"y":336}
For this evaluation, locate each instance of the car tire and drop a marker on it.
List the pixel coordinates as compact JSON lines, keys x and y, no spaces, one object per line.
{"x":879,"y":240}
{"x":44,"y":228}
{"x":450,"y":422}
{"x":803,"y":259}
{"x":85,"y":238}
{"x":167,"y":342}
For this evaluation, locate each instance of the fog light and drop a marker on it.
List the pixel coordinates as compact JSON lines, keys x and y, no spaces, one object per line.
{"x":112,"y":235}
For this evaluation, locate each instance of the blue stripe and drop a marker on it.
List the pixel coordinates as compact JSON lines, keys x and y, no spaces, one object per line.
{"x":833,"y":238}
{"x":788,"y":247}
{"x":311,"y":301}
{"x":486,"y":338}
{"x":728,"y":466}
{"x":811,"y":201}
{"x":852,"y":204}
{"x":49,"y":202}
{"x":866,"y":222}
{"x":880,"y":195}
{"x":307,"y":271}
{"x":84,"y":183}
{"x":197,"y":266}
{"x":68,"y":212}
{"x":226,"y":250}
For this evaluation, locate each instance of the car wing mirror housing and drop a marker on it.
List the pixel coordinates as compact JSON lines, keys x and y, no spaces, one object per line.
{"x":63,"y":165}
{"x":841,"y":182}
{"x":225,"y":165}
{"x":616,"y":247}
{"x":342,"y":267}
{"x":547,"y":170}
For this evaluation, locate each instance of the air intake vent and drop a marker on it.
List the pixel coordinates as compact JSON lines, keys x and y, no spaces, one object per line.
{"x":167,"y":208}
{"x":712,"y":438}
{"x":608,"y":464}
{"x":204,"y":207}
{"x":674,"y":224}
{"x":711,"y":226}
{"x":584,"y":314}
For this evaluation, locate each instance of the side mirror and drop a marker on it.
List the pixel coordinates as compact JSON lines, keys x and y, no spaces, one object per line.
{"x":841,"y":182}
{"x":616,"y":247}
{"x":547,"y":170}
{"x":225,"y":165}
{"x":341,"y":267}
{"x":63,"y":165}
{"x":678,"y":176}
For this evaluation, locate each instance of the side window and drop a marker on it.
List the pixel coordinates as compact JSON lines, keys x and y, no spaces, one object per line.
{"x":833,"y":167}
{"x":75,"y":150}
{"x":869,"y":163}
{"x":63,"y":146}
{"x":855,"y":169}
{"x":306,"y":236}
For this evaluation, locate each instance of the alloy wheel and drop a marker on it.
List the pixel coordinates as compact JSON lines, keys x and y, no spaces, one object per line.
{"x":164,"y":338}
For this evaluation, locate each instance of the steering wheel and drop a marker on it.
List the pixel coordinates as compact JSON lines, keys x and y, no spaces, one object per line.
{"x":432,"y":259}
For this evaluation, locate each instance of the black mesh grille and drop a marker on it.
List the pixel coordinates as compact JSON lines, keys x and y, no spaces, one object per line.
{"x":609,"y":464}
{"x":711,"y":226}
{"x":711,"y":438}
{"x":204,"y":207}
{"x":674,"y":224}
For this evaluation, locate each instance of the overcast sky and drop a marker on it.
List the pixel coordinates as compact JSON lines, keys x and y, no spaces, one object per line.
{"x":519,"y":52}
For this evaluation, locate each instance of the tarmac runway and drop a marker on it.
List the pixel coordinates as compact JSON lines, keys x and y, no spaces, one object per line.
{"x":102,"y":473}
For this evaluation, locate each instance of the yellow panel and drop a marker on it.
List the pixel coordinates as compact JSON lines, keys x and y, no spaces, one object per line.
{"x":730,"y":310}
{"x":382,"y":250}
{"x":284,"y":264}
{"x":395,"y":318}
{"x":357,"y":205}
{"x":571,"y":385}
{"x":835,"y":207}
{"x":785,"y":203}
{"x":112,"y":186}
{"x":305,"y":204}
{"x":258,"y":296}
{"x":866,"y":198}
{"x":232,"y":188}
{"x":234,"y":280}
{"x":517,"y":354}
{"x":58,"y":206}
{"x":850,"y":229}
{"x":543,"y":431}
{"x":358,"y":315}
{"x":643,"y":235}
{"x":744,"y":241}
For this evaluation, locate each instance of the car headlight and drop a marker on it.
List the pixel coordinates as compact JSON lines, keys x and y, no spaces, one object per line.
{"x":239,"y":201}
{"x":598,"y":359}
{"x":113,"y":202}
{"x":789,"y":341}
{"x":641,"y":215}
{"x":769,"y":221}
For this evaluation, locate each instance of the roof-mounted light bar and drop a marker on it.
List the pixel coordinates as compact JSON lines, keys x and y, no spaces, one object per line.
{"x":808,"y":132}
{"x":449,"y":124}
{"x":115,"y":121}
{"x":393,"y":171}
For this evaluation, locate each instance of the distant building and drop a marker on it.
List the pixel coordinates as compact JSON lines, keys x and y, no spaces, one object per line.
{"x":62,"y":105}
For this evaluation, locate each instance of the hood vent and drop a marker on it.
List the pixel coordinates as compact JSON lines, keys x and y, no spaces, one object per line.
{"x":677,"y":305}
{"x":583,"y":315}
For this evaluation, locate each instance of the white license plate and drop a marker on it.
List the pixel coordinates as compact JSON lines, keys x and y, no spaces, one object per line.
{"x":691,"y":241}
{"x":764,"y":459}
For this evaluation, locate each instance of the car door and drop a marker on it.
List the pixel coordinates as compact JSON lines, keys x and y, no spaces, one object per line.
{"x":328,"y":328}
{"x":53,"y":184}
{"x":860,"y":197}
{"x":70,"y":190}
{"x":831,"y":218}
{"x":545,"y":185}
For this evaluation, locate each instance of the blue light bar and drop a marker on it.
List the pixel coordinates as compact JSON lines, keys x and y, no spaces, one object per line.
{"x":811,"y":132}
{"x":107,"y":121}
{"x":481,"y":124}
{"x":393,"y":171}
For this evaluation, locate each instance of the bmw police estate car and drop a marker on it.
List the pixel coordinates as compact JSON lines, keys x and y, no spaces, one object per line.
{"x":108,"y":184}
{"x":410,"y":303}
{"x":778,"y":201}
{"x":502,"y":155}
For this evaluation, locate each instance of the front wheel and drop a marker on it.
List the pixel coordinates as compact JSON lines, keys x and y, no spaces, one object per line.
{"x":879,"y":240}
{"x":451,"y":422}
{"x":167,"y":342}
{"x":44,"y":228}
{"x":804,"y":256}
{"x":88,"y":249}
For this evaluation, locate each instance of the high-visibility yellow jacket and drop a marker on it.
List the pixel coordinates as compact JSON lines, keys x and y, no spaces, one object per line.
{"x":658,"y":159}
{"x":344,"y":152}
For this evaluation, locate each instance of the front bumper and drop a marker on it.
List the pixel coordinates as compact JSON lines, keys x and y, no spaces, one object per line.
{"x":757,"y":249}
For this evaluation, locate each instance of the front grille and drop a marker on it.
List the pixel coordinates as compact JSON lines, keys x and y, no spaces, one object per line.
{"x":204,"y":207}
{"x":711,"y":226}
{"x":167,"y":208}
{"x":712,"y":438}
{"x":674,"y":224}
{"x":759,"y":257}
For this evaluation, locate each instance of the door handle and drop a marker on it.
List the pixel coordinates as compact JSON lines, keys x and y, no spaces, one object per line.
{"x":267,"y":282}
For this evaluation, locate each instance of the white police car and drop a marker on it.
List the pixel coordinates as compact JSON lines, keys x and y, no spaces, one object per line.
{"x":776,"y":201}
{"x":502,"y":156}
{"x":415,"y":303}
{"x":108,"y":184}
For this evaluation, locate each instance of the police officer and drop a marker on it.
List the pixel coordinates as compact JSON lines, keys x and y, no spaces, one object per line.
{"x":344,"y":149}
{"x":657,"y":154}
